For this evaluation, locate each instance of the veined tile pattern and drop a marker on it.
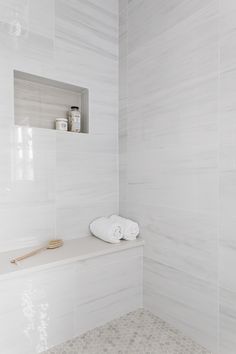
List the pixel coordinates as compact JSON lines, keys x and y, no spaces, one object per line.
{"x":35,"y":41}
{"x":169,"y":179}
{"x":122,"y":101}
{"x":44,"y":308}
{"x":74,"y":178}
{"x":227,"y":260}
{"x":138,"y":332}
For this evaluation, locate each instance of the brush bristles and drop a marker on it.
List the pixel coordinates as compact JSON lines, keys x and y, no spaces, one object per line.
{"x":55,"y":244}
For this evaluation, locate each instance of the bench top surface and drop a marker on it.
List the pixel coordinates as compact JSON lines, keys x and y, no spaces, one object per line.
{"x":72,"y":250}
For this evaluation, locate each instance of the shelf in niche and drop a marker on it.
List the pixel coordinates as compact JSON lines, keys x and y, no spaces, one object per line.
{"x":38,"y":101}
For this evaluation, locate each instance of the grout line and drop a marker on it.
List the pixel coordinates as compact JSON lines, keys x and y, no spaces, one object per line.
{"x":218,"y":158}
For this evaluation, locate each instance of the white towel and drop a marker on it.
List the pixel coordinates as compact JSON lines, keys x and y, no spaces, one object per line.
{"x":129,"y":228}
{"x":106,"y":229}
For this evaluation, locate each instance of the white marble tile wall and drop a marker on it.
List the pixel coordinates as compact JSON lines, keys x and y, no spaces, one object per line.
{"x":176,"y":57}
{"x":169,"y":178}
{"x":86,"y":184}
{"x":46,"y":308}
{"x":227,"y":242}
{"x":122,"y":102}
{"x":53,"y":183}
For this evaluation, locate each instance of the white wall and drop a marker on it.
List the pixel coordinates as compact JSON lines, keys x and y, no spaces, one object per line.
{"x":169,"y":155}
{"x":71,"y":179}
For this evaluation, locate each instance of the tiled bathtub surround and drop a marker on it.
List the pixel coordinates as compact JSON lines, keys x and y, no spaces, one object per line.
{"x":44,"y":193}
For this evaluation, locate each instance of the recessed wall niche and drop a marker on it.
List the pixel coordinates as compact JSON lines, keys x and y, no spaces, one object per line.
{"x":39,"y":101}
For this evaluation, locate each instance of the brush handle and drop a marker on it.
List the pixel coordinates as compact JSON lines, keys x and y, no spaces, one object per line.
{"x":15,"y":260}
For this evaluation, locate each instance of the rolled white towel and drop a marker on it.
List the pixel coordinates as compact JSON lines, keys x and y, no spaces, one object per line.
{"x":129,"y":228}
{"x":106,"y":229}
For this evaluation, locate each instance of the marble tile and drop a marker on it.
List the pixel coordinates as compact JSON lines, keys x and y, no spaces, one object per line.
{"x":21,"y":29}
{"x":169,"y":176}
{"x":27,"y":187}
{"x":35,"y":308}
{"x":117,"y":279}
{"x":227,"y":341}
{"x":186,"y":302}
{"x":107,"y":287}
{"x":86,"y":183}
{"x":227,"y":194}
{"x":98,"y":272}
{"x":182,"y":179}
{"x":6,"y":93}
{"x":48,"y":307}
{"x":181,"y":238}
{"x":184,"y":116}
{"x":88,"y":32}
{"x":227,"y":242}
{"x":227,"y":112}
{"x":45,"y":192}
{"x":227,"y":36}
{"x":143,"y":18}
{"x":138,"y":332}
{"x":227,"y":151}
{"x":88,"y":59}
{"x":191,"y":45}
{"x":82,"y":25}
{"x":122,"y":128}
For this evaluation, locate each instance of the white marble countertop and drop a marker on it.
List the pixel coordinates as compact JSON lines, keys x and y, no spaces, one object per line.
{"x":73,"y":250}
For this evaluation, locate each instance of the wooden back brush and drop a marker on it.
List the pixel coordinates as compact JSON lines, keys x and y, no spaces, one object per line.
{"x":51,"y":245}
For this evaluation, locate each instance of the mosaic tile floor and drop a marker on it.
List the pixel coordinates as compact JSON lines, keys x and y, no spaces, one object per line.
{"x":138,"y":332}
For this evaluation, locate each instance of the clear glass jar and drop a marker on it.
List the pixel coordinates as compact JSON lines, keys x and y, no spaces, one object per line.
{"x":74,"y":118}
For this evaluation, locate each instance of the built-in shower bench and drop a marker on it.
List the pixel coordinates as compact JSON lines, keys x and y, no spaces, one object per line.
{"x":59,"y":294}
{"x":73,"y":250}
